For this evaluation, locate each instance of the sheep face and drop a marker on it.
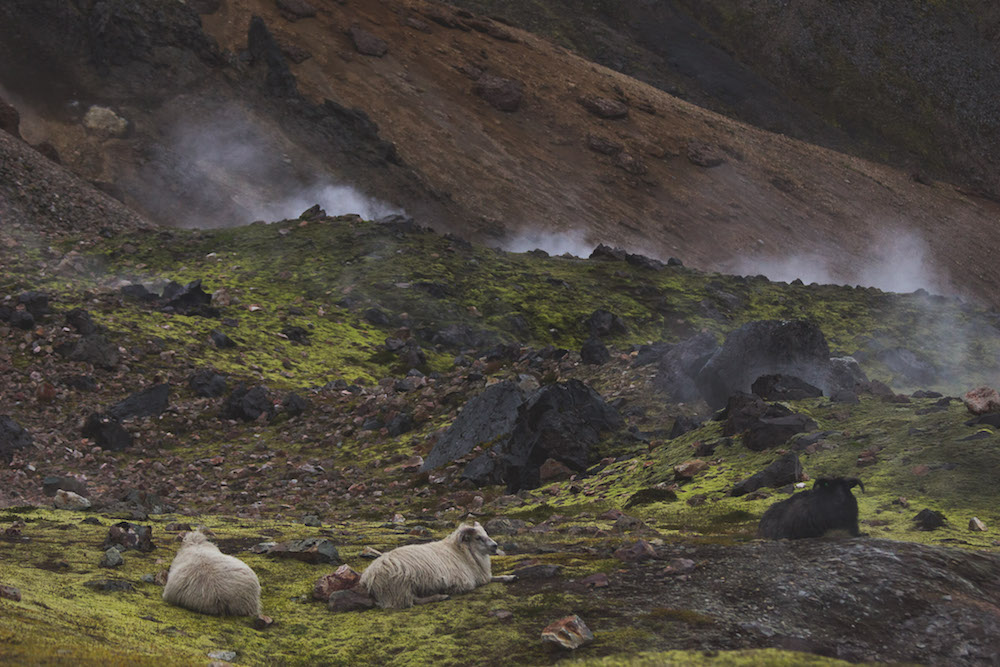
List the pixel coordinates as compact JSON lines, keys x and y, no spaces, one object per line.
{"x":478,"y":542}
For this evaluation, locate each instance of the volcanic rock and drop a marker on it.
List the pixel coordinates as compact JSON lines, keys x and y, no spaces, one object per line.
{"x":765,"y":347}
{"x":130,"y":536}
{"x":780,"y":387}
{"x":982,"y":400}
{"x":247,"y":404}
{"x":484,"y":418}
{"x":12,"y":438}
{"x":786,"y":470}
{"x":681,"y":364}
{"x":207,"y":383}
{"x":146,"y":403}
{"x":594,"y":352}
{"x":293,"y":10}
{"x":10,"y":119}
{"x":569,"y":633}
{"x":603,"y":107}
{"x":366,"y":43}
{"x":106,"y":432}
{"x":67,"y":500}
{"x":502,"y":94}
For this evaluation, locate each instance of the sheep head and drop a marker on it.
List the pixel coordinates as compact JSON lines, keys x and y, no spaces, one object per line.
{"x":475,"y":538}
{"x":832,"y":483}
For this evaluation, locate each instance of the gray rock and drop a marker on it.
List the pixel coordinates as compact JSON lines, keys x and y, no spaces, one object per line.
{"x":67,"y":500}
{"x":786,"y":470}
{"x":484,"y":418}
{"x":13,"y":438}
{"x":111,"y":558}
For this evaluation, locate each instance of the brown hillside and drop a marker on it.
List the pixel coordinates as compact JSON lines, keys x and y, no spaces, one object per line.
{"x":461,"y":164}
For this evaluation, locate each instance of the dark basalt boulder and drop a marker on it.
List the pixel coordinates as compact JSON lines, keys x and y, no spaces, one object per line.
{"x":247,"y":404}
{"x":488,"y":416}
{"x":744,"y":410}
{"x":80,"y":319}
{"x":774,"y":432}
{"x":765,"y":347}
{"x":106,"y":432}
{"x":786,"y":470}
{"x":36,"y":303}
{"x":13,"y":437}
{"x":188,"y":299}
{"x":207,"y":383}
{"x":594,"y":352}
{"x":681,"y":364}
{"x":779,"y":387}
{"x":559,"y":421}
{"x":603,"y":323}
{"x":145,"y":403}
{"x":94,"y":349}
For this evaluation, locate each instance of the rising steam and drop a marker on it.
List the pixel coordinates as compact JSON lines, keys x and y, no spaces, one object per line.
{"x":897,"y":263}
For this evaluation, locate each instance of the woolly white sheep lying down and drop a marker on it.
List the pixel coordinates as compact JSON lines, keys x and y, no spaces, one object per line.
{"x":419,"y":573}
{"x":205,"y":580}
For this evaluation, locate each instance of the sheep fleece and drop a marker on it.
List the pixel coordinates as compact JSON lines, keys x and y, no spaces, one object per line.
{"x":205,"y":580}
{"x":418,"y":570}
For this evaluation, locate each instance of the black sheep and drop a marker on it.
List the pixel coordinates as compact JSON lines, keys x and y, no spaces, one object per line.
{"x":828,"y":506}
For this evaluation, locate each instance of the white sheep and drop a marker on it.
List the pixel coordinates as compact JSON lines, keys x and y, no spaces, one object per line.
{"x":203,"y":579}
{"x":421,"y":573}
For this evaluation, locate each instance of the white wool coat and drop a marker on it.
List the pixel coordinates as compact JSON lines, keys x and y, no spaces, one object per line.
{"x":451,"y":565}
{"x":203,"y":579}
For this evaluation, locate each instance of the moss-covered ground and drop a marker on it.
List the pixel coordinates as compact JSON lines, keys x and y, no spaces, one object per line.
{"x":252,"y":482}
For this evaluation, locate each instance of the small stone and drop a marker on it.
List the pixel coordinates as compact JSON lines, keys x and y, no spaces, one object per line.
{"x":293,"y":10}
{"x":67,"y":500}
{"x":175,"y":527}
{"x":689,"y":469}
{"x":501,"y":614}
{"x":569,"y":633}
{"x":680,"y":566}
{"x":130,"y":536}
{"x":534,"y":570}
{"x":228,"y":656}
{"x":603,"y":107}
{"x":502,"y":94}
{"x":312,"y":521}
{"x":310,"y":550}
{"x":10,"y":593}
{"x":353,"y":599}
{"x":370,"y":553}
{"x":368,"y":44}
{"x":262,"y":622}
{"x":599,"y":580}
{"x":976,"y":525}
{"x":638,"y":552}
{"x":105,"y":121}
{"x":982,"y":400}
{"x":343,"y":578}
{"x":112,"y":558}
{"x":552,"y":470}
{"x":704,"y":155}
{"x":110,"y":585}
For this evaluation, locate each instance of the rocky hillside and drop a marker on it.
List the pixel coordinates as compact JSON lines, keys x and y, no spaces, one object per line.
{"x":467,"y":124}
{"x":908,"y":84}
{"x":312,"y":388}
{"x":326,"y":385}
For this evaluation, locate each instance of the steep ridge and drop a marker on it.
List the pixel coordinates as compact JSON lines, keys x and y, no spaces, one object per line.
{"x":669,"y":178}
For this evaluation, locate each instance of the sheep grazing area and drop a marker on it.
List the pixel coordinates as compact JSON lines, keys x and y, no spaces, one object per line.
{"x":288,"y":402}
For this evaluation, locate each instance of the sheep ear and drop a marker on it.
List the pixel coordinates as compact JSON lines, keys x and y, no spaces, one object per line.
{"x":854,"y":481}
{"x":467,"y":533}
